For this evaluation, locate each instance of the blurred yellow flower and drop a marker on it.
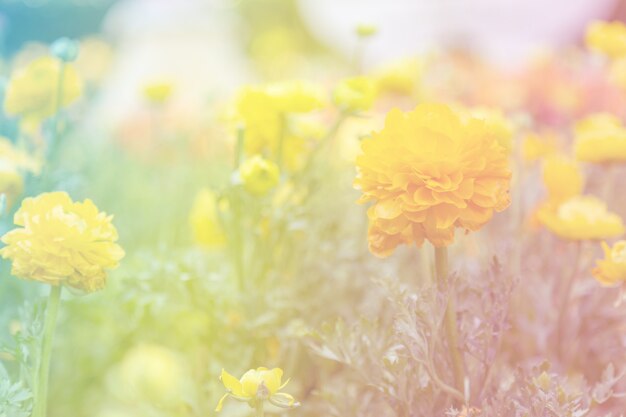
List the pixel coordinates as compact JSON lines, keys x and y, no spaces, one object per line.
{"x":355,"y":94}
{"x":205,"y":220}
{"x":61,"y":242}
{"x":366,"y":30}
{"x":263,"y":110}
{"x":537,"y":146}
{"x":32,"y":91}
{"x":600,"y":138}
{"x":296,"y":96}
{"x":13,"y":163}
{"x":612,"y":269}
{"x":401,"y":77}
{"x":158,"y":92}
{"x":94,"y":59}
{"x":153,"y":374}
{"x":562,"y":178}
{"x":608,"y":38}
{"x":259,"y":175}
{"x":581,"y":218}
{"x":428,"y":172}
{"x":257,"y":385}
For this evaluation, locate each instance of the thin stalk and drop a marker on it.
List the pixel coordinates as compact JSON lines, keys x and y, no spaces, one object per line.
{"x":238,"y":244}
{"x":281,"y":141}
{"x":43,"y":371}
{"x":441,"y":268}
{"x":566,"y":295}
{"x":259,"y":408}
{"x":58,"y":102}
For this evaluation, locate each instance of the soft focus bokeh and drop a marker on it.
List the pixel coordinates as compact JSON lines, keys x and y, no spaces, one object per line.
{"x":312,"y":208}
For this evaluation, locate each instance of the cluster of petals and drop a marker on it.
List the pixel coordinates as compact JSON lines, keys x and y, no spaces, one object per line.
{"x":428,"y":172}
{"x":61,"y":242}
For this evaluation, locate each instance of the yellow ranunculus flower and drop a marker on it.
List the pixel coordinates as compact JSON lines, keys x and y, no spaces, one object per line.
{"x":600,"y":138}
{"x":497,"y":123}
{"x":562,"y":178}
{"x":259,"y":175}
{"x":32,"y":91}
{"x":257,"y":385}
{"x":608,"y":38}
{"x":94,"y":59}
{"x":535,"y":146}
{"x":401,"y":77}
{"x":581,"y":218}
{"x":13,"y":163}
{"x":612,"y":269}
{"x":204,"y":219}
{"x":61,"y":242}
{"x":158,"y":92}
{"x":153,"y":374}
{"x":296,"y":96}
{"x":355,"y":94}
{"x":263,"y":109}
{"x":429,"y":172}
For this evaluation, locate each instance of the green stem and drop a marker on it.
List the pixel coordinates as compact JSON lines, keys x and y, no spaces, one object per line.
{"x":259,"y":408}
{"x":58,"y":102}
{"x":566,"y":295}
{"x":43,"y":370}
{"x":441,"y":268}
{"x":241,"y":135}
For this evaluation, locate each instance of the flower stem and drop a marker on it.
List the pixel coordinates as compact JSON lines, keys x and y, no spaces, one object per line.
{"x":281,"y":141}
{"x":441,"y":268}
{"x":566,"y":295}
{"x":259,"y":409}
{"x":46,"y":351}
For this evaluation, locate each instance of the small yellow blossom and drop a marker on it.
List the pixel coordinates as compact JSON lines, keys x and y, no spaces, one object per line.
{"x":429,"y":172}
{"x":400,"y":77}
{"x":296,"y":96}
{"x":257,"y":385}
{"x":153,"y":374}
{"x":612,"y":269}
{"x":600,"y":138}
{"x":608,"y":38}
{"x":94,"y":59}
{"x":62,"y":242}
{"x":259,"y":175}
{"x":355,"y":94}
{"x":13,"y":163}
{"x":205,"y":221}
{"x":32,"y":91}
{"x":158,"y":92}
{"x":562,"y":178}
{"x":537,"y":146}
{"x":581,"y":218}
{"x":366,"y":30}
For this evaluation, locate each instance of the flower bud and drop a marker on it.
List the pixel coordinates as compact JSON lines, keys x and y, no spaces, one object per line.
{"x":65,"y":49}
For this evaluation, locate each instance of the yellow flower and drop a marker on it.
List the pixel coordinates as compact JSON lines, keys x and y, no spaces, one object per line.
{"x":13,"y":163}
{"x":158,"y":92}
{"x":94,"y":59}
{"x":612,"y":269}
{"x":263,"y":111}
{"x":204,"y":219}
{"x":366,"y":30}
{"x":497,"y":123}
{"x":562,"y":178}
{"x":608,"y":38}
{"x":536,"y":146}
{"x":32,"y":92}
{"x":428,"y":172}
{"x":255,"y":386}
{"x":600,"y":138}
{"x":61,"y":242}
{"x":355,"y":94}
{"x":153,"y":374}
{"x":259,"y":175}
{"x":296,"y":96}
{"x":581,"y":218}
{"x":401,"y":77}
